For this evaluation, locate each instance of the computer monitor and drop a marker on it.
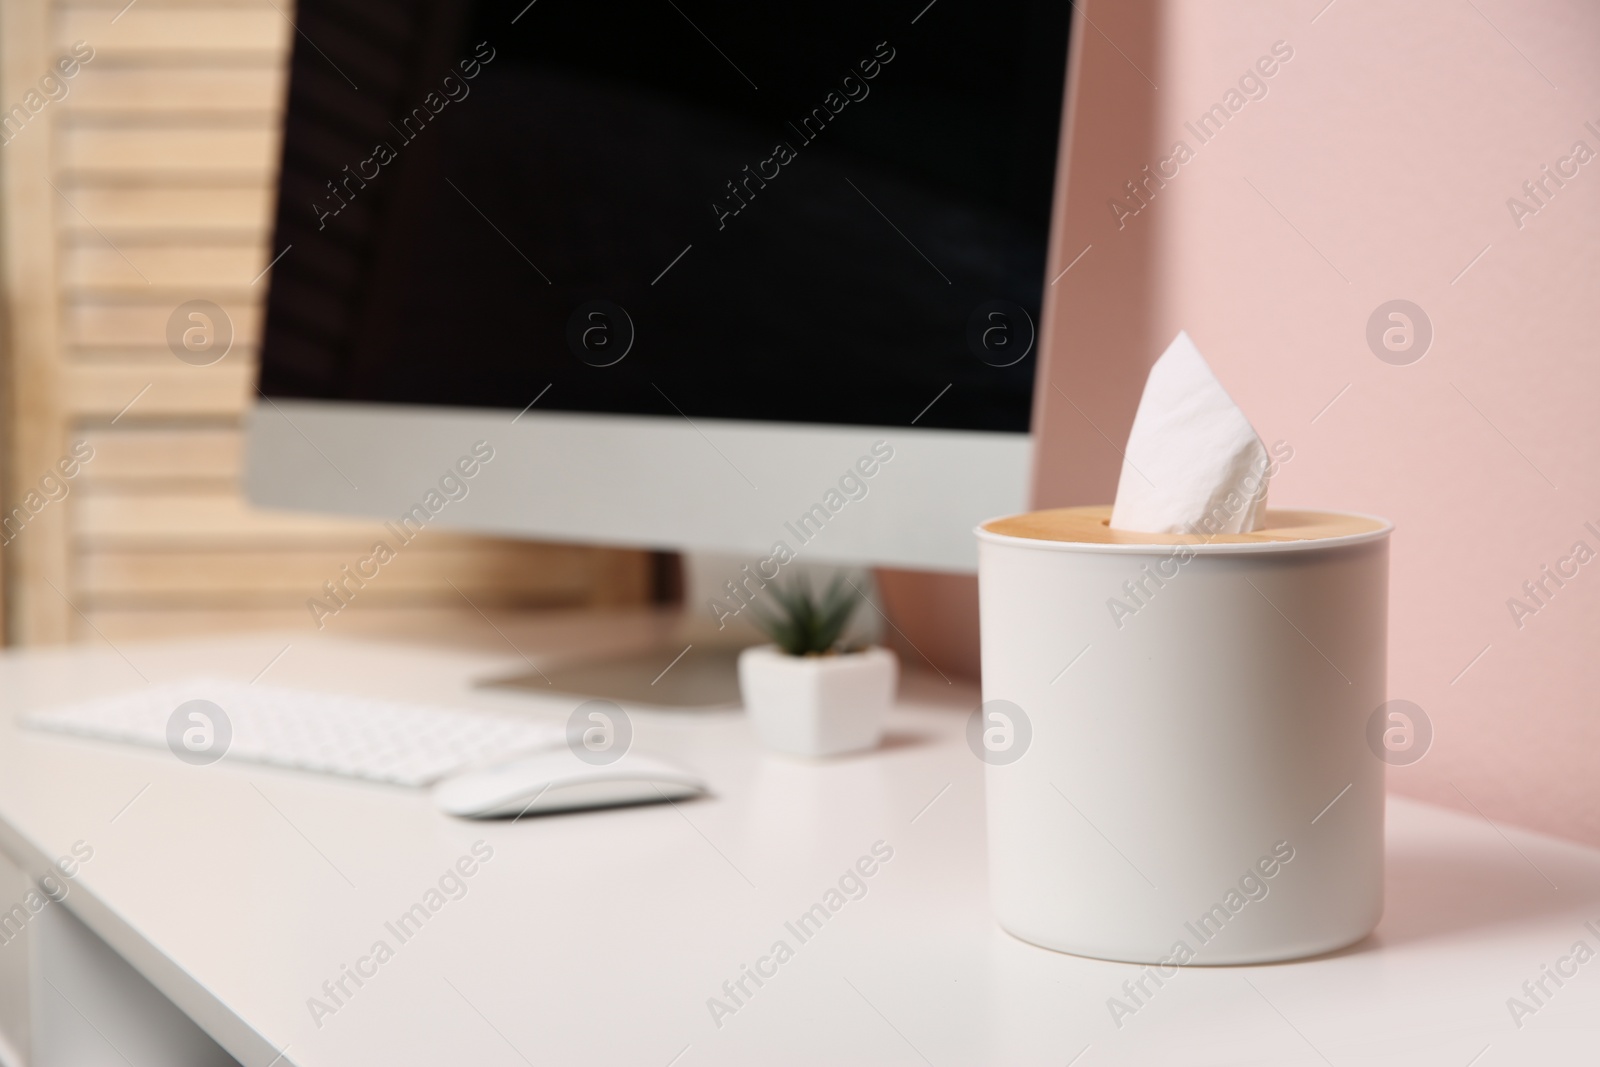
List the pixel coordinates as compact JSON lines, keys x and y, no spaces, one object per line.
{"x":681,"y":274}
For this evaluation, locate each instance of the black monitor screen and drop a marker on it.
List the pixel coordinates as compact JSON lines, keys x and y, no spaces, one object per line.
{"x":822,"y":213}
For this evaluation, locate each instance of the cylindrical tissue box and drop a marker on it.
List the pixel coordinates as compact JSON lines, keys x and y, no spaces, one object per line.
{"x":1176,"y":732}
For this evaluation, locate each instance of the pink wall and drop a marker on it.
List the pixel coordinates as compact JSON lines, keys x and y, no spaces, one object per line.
{"x":1377,"y":166}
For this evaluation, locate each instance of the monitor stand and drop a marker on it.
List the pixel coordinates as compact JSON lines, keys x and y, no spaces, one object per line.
{"x":706,"y":678}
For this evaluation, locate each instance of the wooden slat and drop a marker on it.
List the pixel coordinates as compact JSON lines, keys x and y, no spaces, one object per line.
{"x":92,"y":264}
{"x":35,"y":433}
{"x":623,"y":577}
{"x":208,"y":521}
{"x":100,"y":90}
{"x":199,"y":521}
{"x":500,"y":573}
{"x":103,"y":390}
{"x":184,"y":152}
{"x":109,"y":9}
{"x":243,"y":211}
{"x":126,"y":455}
{"x":148,"y":30}
{"x":138,"y":324}
{"x":362,"y":617}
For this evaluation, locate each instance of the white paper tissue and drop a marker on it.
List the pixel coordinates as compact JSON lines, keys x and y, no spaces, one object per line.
{"x":1194,"y":463}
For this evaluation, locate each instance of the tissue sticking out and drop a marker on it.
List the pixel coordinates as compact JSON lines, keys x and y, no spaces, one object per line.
{"x":1194,"y":463}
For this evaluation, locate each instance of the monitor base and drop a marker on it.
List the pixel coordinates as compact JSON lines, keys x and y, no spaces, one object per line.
{"x":704,"y":678}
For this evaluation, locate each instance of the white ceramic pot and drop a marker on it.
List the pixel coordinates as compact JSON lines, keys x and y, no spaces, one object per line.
{"x":817,"y":705}
{"x":1195,"y":772}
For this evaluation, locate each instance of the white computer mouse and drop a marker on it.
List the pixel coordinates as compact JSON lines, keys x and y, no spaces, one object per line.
{"x":557,"y":780}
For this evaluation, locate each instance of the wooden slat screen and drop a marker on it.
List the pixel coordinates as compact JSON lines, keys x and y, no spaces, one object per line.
{"x":156,"y":174}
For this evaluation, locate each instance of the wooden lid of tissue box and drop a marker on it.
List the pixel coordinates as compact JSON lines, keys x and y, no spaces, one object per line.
{"x":1091,"y":525}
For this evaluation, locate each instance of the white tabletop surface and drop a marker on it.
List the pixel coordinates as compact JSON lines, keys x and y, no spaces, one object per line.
{"x":598,"y":938}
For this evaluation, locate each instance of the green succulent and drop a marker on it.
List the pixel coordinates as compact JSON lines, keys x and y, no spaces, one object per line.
{"x":807,"y":624}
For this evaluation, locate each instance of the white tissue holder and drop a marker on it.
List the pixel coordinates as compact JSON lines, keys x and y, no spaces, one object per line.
{"x":1180,"y":751}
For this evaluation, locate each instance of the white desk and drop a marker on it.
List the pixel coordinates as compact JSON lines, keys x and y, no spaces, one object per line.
{"x":598,"y":938}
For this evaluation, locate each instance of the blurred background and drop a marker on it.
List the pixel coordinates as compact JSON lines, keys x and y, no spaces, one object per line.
{"x":147,"y":184}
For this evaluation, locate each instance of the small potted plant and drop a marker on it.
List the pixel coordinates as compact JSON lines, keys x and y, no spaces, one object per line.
{"x":808,"y":693}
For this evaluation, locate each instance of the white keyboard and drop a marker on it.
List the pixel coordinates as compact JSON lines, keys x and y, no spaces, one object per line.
{"x":354,"y":737}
